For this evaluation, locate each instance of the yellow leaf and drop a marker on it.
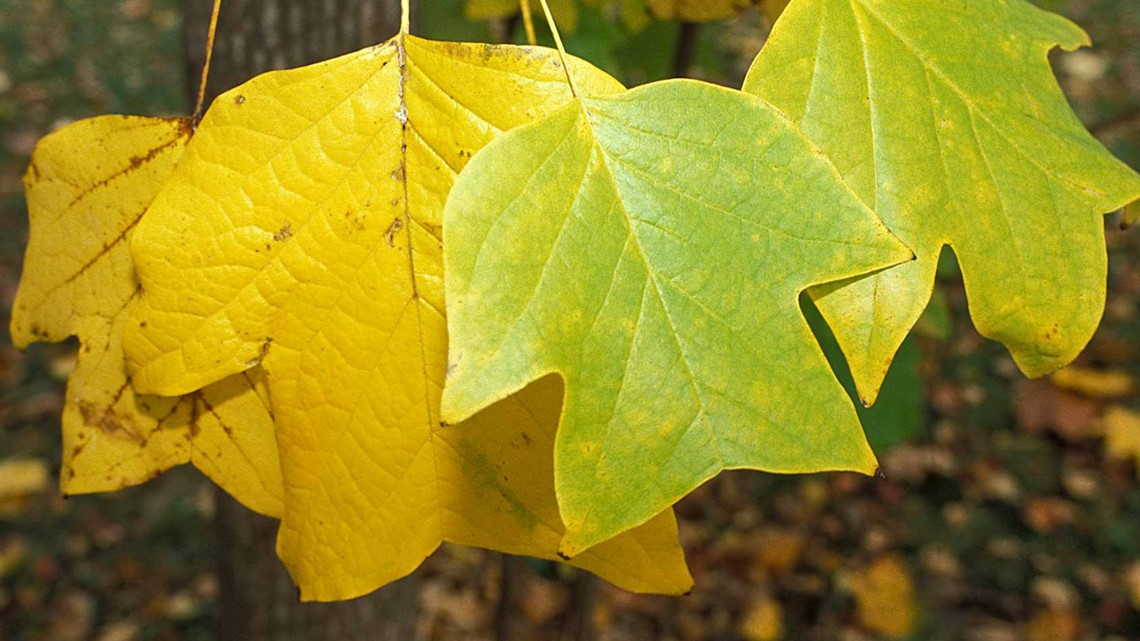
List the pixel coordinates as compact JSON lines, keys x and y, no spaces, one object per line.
{"x":885,"y":597}
{"x":697,"y":10}
{"x":87,"y":188}
{"x":1094,"y":383}
{"x":302,"y":232}
{"x":1122,"y":434}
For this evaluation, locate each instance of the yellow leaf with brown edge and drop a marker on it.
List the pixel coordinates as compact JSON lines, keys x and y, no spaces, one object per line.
{"x":302,"y":232}
{"x":87,"y":187}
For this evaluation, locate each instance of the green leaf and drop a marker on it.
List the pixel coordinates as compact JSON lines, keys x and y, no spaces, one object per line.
{"x":946,"y":119}
{"x":649,"y":247}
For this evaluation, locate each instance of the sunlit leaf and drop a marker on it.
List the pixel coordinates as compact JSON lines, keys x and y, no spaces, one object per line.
{"x":87,"y":188}
{"x":649,"y":247}
{"x":302,"y":232}
{"x":946,"y":119}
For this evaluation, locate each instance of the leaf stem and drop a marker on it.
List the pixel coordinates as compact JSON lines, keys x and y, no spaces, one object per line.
{"x":405,"y":17}
{"x":206,"y":65}
{"x":528,"y":22}
{"x":561,"y":49}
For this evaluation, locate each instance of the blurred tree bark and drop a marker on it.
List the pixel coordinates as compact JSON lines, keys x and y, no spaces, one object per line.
{"x":257,"y":600}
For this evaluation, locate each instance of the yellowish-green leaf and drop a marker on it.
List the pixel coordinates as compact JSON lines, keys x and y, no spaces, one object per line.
{"x":302,"y":231}
{"x":87,"y":188}
{"x":946,"y":119}
{"x":650,"y":248}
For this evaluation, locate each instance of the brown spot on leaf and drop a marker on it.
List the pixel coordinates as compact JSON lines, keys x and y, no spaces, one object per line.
{"x":285,"y":233}
{"x":255,"y":361}
{"x":393,"y":229}
{"x":239,"y":99}
{"x":107,"y":421}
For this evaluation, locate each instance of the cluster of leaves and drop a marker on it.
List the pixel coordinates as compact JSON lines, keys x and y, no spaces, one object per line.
{"x":263,"y":295}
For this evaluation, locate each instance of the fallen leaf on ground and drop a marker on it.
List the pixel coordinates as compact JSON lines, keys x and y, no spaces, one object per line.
{"x":885,"y":597}
{"x":20,"y":479}
{"x":763,"y":620}
{"x":1122,"y":434}
{"x":1095,"y":383}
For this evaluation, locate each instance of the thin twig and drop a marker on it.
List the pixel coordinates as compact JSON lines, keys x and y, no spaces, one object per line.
{"x":528,"y":22}
{"x":561,"y":49}
{"x":206,"y":66}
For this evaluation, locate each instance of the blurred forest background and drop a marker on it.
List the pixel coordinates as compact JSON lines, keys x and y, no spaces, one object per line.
{"x":1010,"y":508}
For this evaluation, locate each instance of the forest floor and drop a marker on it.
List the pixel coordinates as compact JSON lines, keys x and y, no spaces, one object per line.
{"x":1013,"y":512}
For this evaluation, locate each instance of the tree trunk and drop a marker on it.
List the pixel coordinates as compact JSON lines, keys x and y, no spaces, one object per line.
{"x":257,"y":599}
{"x":259,"y":35}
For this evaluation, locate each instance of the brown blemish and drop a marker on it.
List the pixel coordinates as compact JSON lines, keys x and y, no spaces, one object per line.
{"x":134,"y":163}
{"x":398,"y":173}
{"x":354,"y":219}
{"x":261,"y":353}
{"x":107,"y":421}
{"x":239,"y":100}
{"x":285,"y":233}
{"x":393,"y":229}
